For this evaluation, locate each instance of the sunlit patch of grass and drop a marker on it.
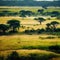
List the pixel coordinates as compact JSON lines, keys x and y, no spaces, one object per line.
{"x":27,"y":42}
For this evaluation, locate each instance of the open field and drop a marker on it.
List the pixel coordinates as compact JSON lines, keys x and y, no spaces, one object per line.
{"x":27,"y":42}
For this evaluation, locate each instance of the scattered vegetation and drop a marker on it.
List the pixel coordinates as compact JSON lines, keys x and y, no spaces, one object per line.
{"x":31,"y":56}
{"x":55,"y":48}
{"x":17,"y":35}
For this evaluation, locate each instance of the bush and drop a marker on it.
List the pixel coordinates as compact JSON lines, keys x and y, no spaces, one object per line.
{"x":32,"y":31}
{"x":50,"y":37}
{"x":48,"y":30}
{"x":13,"y":56}
{"x":40,"y":30}
{"x":1,"y":58}
{"x":37,"y":56}
{"x":58,"y":30}
{"x":55,"y":48}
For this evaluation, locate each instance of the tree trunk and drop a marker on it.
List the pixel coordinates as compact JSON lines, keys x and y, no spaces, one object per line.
{"x":40,"y":23}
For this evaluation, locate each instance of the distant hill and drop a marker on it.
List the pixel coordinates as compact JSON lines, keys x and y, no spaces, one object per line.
{"x":29,"y":3}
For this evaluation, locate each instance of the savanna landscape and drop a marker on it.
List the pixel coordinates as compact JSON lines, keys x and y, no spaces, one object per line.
{"x":29,"y":33}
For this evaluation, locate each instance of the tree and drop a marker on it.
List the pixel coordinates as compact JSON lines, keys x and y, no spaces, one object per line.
{"x":48,"y":25}
{"x":55,"y":13}
{"x":40,"y":11}
{"x":14,"y":24}
{"x":41,"y":20}
{"x":48,"y":28}
{"x":29,"y":13}
{"x":22,"y":13}
{"x":54,"y":24}
{"x":3,"y":28}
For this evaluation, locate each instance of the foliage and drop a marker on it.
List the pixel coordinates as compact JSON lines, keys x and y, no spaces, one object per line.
{"x":3,"y":28}
{"x":40,"y":19}
{"x":1,"y":58}
{"x":55,"y":13}
{"x":24,"y":13}
{"x":13,"y":56}
{"x":40,"y":11}
{"x":51,"y":27}
{"x":14,"y":24}
{"x":55,"y":48}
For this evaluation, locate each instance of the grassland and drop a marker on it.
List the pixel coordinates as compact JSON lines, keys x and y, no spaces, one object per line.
{"x":16,"y":42}
{"x":28,"y":22}
{"x":34,"y":9}
{"x":29,"y":44}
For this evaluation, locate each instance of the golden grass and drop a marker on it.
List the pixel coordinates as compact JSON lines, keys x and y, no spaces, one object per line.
{"x":27,"y":22}
{"x":17,"y":42}
{"x":21,"y":41}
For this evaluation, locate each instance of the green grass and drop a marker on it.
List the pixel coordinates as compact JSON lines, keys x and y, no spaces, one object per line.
{"x":34,"y":9}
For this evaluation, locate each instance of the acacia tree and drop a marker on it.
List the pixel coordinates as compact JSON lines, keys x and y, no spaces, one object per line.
{"x":29,"y":13}
{"x":48,"y":27}
{"x":22,"y":13}
{"x":40,"y":11}
{"x":3,"y":28}
{"x":14,"y":24}
{"x":54,"y":24}
{"x":41,"y":20}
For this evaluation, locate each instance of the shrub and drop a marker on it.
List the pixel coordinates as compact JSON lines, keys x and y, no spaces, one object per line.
{"x":58,"y":30}
{"x":50,"y":37}
{"x":32,"y":31}
{"x":37,"y":56}
{"x":55,"y":48}
{"x":13,"y":56}
{"x":40,"y":30}
{"x":1,"y":58}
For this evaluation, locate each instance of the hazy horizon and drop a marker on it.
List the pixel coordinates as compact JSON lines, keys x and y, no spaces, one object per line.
{"x":29,"y":0}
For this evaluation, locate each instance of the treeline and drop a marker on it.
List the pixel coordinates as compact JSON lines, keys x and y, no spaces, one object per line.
{"x":29,"y":3}
{"x":24,"y":13}
{"x":12,"y":26}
